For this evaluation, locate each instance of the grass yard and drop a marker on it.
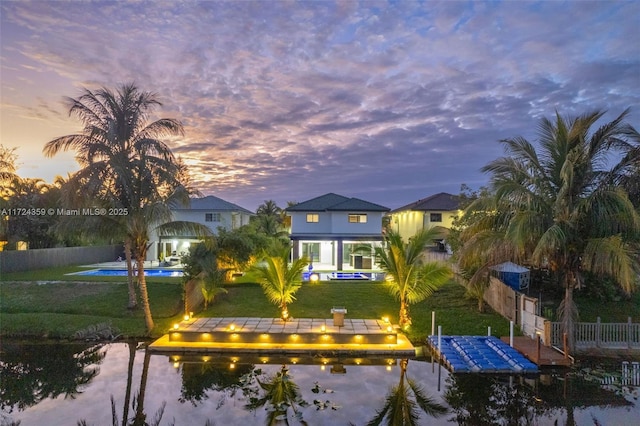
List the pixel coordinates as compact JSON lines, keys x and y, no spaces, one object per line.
{"x":58,"y":310}
{"x":51,"y":304}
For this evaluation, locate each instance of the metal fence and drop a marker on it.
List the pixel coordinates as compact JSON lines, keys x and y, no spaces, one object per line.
{"x":592,"y":335}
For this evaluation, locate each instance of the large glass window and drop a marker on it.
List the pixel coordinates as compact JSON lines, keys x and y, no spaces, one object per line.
{"x":313,"y":218}
{"x":312,"y":251}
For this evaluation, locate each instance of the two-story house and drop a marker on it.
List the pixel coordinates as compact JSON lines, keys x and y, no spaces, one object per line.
{"x":211,"y":211}
{"x":330,"y":230}
{"x":435,"y":210}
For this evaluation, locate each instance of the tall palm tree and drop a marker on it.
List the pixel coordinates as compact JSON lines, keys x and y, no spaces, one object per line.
{"x":560,"y":208}
{"x":408,"y":277}
{"x":279,"y":279}
{"x":404,"y":402}
{"x":125,"y":161}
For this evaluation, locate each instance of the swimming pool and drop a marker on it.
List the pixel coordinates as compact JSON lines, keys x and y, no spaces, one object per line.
{"x":123,"y":273}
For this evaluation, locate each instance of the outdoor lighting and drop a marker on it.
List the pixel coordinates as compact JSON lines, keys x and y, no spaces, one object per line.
{"x":232,"y":327}
{"x":176,"y":326}
{"x":323,"y":329}
{"x":294,"y":360}
{"x":176,"y":364}
{"x":388,"y":368}
{"x":358,"y":361}
{"x":206,"y":358}
{"x":232,"y":365}
{"x":265,"y":335}
{"x":314,"y":278}
{"x":385,"y":319}
{"x":294,"y":336}
{"x":322,"y":367}
{"x":389,"y":329}
{"x":190,"y":315}
{"x":264,"y":360}
{"x":186,"y":317}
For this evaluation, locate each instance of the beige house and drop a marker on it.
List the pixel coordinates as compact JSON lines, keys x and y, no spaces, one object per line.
{"x":436,"y":210}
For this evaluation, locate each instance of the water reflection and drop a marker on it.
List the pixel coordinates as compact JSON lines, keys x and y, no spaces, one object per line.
{"x":32,"y":373}
{"x":122,"y":384}
{"x":403,"y":405}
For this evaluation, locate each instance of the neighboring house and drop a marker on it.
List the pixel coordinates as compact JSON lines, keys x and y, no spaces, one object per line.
{"x":328,"y":229}
{"x":210,"y":211}
{"x":436,"y":210}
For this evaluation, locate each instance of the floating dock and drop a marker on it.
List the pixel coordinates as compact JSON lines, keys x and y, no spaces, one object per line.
{"x":541,"y":355}
{"x":269,"y":336}
{"x":480,"y":354}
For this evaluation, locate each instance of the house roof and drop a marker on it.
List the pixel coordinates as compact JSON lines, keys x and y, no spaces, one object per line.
{"x":438,"y":202}
{"x":335,"y":202}
{"x":211,"y":202}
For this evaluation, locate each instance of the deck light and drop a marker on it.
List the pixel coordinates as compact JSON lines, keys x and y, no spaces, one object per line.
{"x":176,"y":326}
{"x":323,"y":329}
{"x":176,"y":365}
{"x":385,"y":319}
{"x":186,"y":317}
{"x":314,"y":277}
{"x":389,"y":329}
{"x":232,"y":327}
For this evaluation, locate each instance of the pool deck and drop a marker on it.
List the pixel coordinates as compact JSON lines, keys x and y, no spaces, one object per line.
{"x":269,"y":336}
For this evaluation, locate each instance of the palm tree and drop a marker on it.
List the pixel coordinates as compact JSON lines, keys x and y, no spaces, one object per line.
{"x":125,"y":162}
{"x":279,"y":279}
{"x":402,"y":404}
{"x":559,"y":207}
{"x":408,"y":277}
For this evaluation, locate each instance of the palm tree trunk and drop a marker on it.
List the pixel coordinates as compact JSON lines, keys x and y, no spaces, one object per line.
{"x":568,"y":313}
{"x":144,"y":295}
{"x":133,"y":300}
{"x":404,"y":318}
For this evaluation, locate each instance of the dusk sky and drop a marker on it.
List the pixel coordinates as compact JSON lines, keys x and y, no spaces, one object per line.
{"x":385,"y":101}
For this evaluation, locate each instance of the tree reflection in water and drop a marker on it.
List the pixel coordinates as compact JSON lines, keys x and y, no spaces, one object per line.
{"x":31,"y":373}
{"x":403,"y":404}
{"x":277,"y":394}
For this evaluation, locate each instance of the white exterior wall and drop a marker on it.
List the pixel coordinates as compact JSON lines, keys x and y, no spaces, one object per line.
{"x":228,"y":220}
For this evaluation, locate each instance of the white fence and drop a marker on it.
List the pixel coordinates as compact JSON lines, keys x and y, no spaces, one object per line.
{"x":599,"y":335}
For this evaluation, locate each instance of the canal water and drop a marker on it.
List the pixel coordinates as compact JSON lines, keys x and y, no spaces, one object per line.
{"x":71,"y":384}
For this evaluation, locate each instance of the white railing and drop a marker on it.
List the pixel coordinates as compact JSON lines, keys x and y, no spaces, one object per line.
{"x":589,"y":335}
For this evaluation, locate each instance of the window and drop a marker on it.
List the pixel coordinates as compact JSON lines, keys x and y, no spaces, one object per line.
{"x":212,"y":217}
{"x":313,"y":218}
{"x":357,"y":218}
{"x":435,"y":217}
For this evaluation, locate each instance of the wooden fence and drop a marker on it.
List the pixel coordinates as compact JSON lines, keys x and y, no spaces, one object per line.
{"x":599,"y":335}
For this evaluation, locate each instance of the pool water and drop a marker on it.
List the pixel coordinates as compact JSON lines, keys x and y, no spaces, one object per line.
{"x":123,"y":273}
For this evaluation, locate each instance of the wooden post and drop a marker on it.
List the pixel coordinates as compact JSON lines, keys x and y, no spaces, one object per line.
{"x":538,"y":348}
{"x":511,"y":333}
{"x":564,"y":345}
{"x":598,"y":331}
{"x":433,"y":323}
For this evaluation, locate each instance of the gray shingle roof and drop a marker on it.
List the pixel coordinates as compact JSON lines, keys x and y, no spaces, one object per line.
{"x":335,"y":202}
{"x":211,"y":202}
{"x":438,"y":202}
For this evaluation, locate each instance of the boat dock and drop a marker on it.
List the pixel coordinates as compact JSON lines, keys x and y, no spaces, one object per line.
{"x":480,"y":354}
{"x":539,"y":354}
{"x":269,"y":336}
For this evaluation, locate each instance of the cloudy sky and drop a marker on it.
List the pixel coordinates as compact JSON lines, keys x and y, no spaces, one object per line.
{"x":386,"y":101}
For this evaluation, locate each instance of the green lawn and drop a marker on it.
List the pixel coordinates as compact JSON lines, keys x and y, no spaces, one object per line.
{"x":32,"y":308}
